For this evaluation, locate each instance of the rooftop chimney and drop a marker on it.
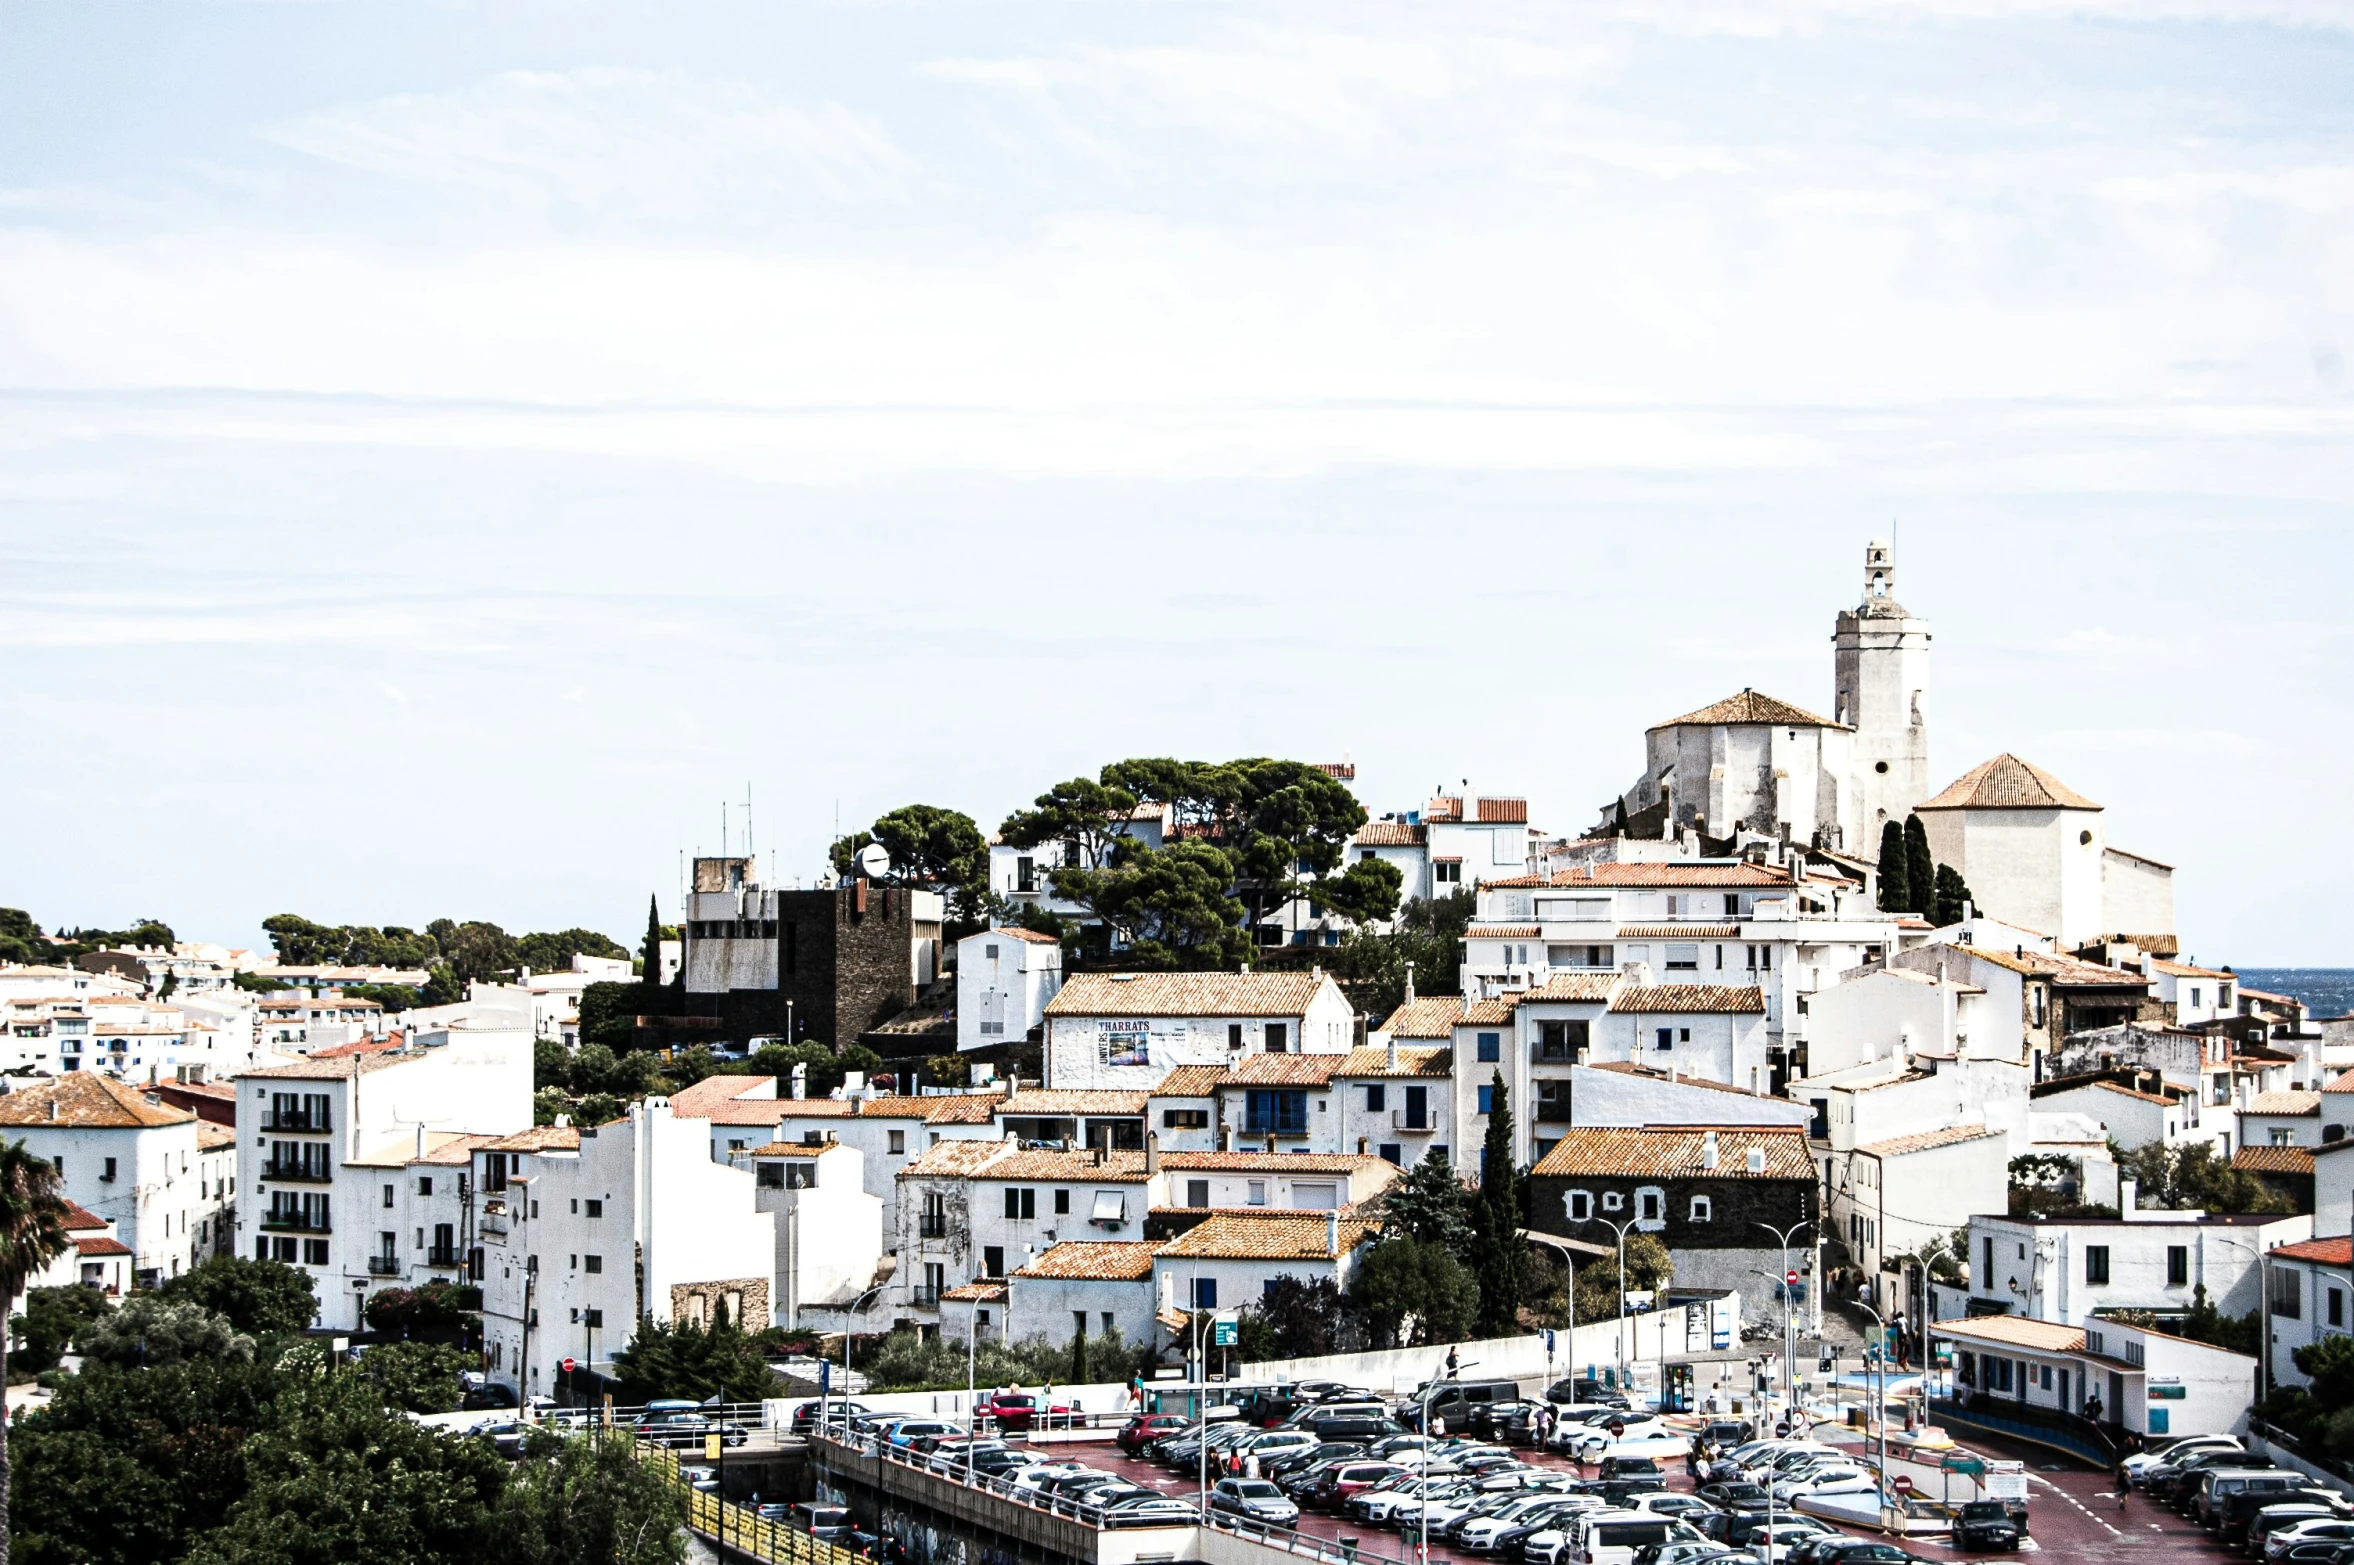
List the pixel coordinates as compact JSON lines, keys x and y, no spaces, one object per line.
{"x":1332,"y":1233}
{"x":801,"y":1076}
{"x":1708,"y":1150}
{"x":2127,"y":1189}
{"x":1152,"y":1153}
{"x":1392,"y":1058}
{"x":1409,"y":983}
{"x":1757,"y":1160}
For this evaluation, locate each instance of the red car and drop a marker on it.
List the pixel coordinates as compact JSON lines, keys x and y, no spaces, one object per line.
{"x":1145,"y":1428}
{"x":1015,"y":1410}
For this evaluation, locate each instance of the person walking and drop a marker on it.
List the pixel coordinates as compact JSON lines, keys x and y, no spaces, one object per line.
{"x":2124,"y":1485}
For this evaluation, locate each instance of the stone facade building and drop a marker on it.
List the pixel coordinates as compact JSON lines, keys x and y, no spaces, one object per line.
{"x":1702,"y":1191}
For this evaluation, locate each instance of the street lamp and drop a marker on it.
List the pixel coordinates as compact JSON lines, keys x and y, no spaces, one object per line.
{"x":1621,"y":1229}
{"x":1880,"y":1393}
{"x":1429,"y":1386}
{"x":1789,"y":1322}
{"x":850,"y":1314}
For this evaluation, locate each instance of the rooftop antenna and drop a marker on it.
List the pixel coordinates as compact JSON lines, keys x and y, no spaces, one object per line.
{"x":749,"y":851}
{"x":723,"y":828}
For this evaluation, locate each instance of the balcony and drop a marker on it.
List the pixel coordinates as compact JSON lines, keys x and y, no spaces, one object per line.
{"x":1407,"y":1119}
{"x":1553,"y":1111}
{"x":494,"y":1224}
{"x":1275,"y":1125}
{"x":298,"y":1173}
{"x":923,"y":1298}
{"x":295,"y":1222}
{"x":384,"y":1266}
{"x":445,"y":1256}
{"x":932,"y":1225}
{"x":295,"y":1120}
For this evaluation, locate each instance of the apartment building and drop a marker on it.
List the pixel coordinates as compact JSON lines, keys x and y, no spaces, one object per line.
{"x":128,"y":1158}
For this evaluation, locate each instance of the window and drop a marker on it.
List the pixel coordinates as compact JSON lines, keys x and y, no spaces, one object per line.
{"x":109,"y":1174}
{"x":596,"y":1209}
{"x":1985,"y":1278}
{"x":1392,"y":1152}
{"x":1666,"y":1037}
{"x":424,"y":1184}
{"x":1487,"y":1100}
{"x":1021,"y":1205}
{"x":1558,"y":1043}
{"x":1683,"y":958}
{"x":1197,"y":1192}
{"x":2283,"y":1136}
{"x":898,"y":1143}
{"x":1702,"y":1209}
{"x":1732,"y":904}
{"x":2178,"y":1265}
{"x":993,"y":1261}
{"x":1282,"y":1110}
{"x":2288,"y":1294}
{"x":388,"y":1195}
{"x":1376,"y":1099}
{"x":1649,"y":1205}
{"x":2337,"y":1307}
{"x":314,"y":1252}
{"x":1447,"y":872}
{"x":1278,"y":1036}
{"x":1581,"y":1206}
{"x":2096,"y":1264}
{"x":1205,"y":1293}
{"x":1185,"y":1119}
{"x":1025,"y":876}
{"x":2036,"y":1014}
{"x":1257,"y":1192}
{"x":769,"y":1176}
{"x":592,"y":1263}
{"x":1612,"y":1201}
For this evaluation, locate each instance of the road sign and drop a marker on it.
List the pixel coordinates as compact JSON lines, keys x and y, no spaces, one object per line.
{"x":1790,"y":1279}
{"x":570,"y":1365}
{"x":1222,"y":1334}
{"x":1968,"y":1466}
{"x":1901,"y":1484}
{"x":711,"y":1447}
{"x":1548,"y":1342}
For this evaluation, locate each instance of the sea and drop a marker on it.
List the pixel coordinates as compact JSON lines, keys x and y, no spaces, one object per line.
{"x":2326,"y":991}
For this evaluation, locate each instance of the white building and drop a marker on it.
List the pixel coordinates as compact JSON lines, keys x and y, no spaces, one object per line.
{"x":1004,"y":977}
{"x":1095,"y":1287}
{"x":1892,"y":1196}
{"x":587,"y":1230}
{"x":2131,"y":1109}
{"x":2034,"y":854}
{"x":318,"y":1142}
{"x":1128,"y":1030}
{"x":2066,"y":1269}
{"x":1229,"y":1259}
{"x":2138,"y":1381}
{"x":829,"y":1229}
{"x":2197,"y":994}
{"x":2308,"y":1289}
{"x":127,"y":1157}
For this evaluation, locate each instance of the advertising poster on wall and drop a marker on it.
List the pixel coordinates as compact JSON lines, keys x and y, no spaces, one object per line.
{"x":1124,"y":1042}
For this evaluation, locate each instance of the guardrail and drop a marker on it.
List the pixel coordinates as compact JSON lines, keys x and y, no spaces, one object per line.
{"x":741,"y":1528}
{"x":951,"y":1467}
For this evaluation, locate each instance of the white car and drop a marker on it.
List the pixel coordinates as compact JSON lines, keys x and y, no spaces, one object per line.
{"x":1827,"y":1481}
{"x":1775,"y":1542}
{"x":1032,"y":1477}
{"x":2142,"y":1461}
{"x":1641,"y":1437}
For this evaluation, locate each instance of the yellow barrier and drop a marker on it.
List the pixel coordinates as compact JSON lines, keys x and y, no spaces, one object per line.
{"x":745,"y":1531}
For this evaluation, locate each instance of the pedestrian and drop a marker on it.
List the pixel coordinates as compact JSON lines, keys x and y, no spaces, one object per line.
{"x":2124,"y":1485}
{"x":1452,"y":1364}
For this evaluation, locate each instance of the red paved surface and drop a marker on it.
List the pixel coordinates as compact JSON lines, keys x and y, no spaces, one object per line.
{"x":2072,"y":1515}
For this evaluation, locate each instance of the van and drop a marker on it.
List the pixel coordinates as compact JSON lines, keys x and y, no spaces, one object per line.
{"x":1614,"y":1537}
{"x":822,"y":1521}
{"x":1451,"y":1402}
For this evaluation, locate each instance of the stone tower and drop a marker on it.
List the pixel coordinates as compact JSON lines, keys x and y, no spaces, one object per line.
{"x":1881,"y":670}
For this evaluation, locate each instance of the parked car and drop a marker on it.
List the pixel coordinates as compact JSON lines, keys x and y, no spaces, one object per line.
{"x":822,"y":1521}
{"x":683,"y":1430}
{"x":2279,"y":1543}
{"x":837,"y":1411}
{"x":1449,"y":1402}
{"x":1585,"y":1389}
{"x":1015,"y":1410}
{"x":1635,"y":1436}
{"x":1253,"y":1499}
{"x":1618,"y":1466}
{"x":2234,"y":1525}
{"x":486,"y":1398}
{"x":1151,"y":1513}
{"x":1985,"y":1524}
{"x":2276,"y":1518}
{"x":1736,"y":1495}
{"x":1145,"y":1428}
{"x":2218,"y":1486}
{"x":2138,"y":1465}
{"x":908,"y":1431}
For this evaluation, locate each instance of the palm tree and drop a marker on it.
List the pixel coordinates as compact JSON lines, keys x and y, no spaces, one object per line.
{"x":32,"y":1234}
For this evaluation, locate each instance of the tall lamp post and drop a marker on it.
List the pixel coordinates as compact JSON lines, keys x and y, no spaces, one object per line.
{"x":1423,"y":1548}
{"x":1880,"y":1395}
{"x":850,"y":1313}
{"x":1789,"y":1322}
{"x":1621,"y":1230}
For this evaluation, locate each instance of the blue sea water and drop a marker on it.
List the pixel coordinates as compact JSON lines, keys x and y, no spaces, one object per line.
{"x":2326,"y":991}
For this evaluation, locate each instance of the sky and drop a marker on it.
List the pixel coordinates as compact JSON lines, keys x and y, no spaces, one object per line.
{"x":446,"y":450}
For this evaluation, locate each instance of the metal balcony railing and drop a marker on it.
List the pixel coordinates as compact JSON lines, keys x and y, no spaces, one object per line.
{"x":296,"y":1120}
{"x":444,"y":1255}
{"x":299,"y":1173}
{"x":296,"y":1222}
{"x":1407,"y":1119}
{"x":384,"y":1266}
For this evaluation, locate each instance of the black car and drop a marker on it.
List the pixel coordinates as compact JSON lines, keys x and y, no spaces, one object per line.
{"x":1985,"y":1524}
{"x":1840,"y":1549}
{"x":1737,"y":1496}
{"x":487,"y":1398}
{"x":2238,"y":1512}
{"x":1510,"y":1423}
{"x":1629,"y":1467}
{"x":1726,"y":1433}
{"x":1585,"y":1392}
{"x":836,"y":1408}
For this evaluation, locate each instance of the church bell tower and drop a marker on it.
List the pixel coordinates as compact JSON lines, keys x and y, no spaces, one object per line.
{"x":1881,"y":672}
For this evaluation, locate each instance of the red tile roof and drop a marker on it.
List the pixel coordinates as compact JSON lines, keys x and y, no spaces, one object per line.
{"x":1187,"y":994}
{"x":1690,"y":1000}
{"x":2329,"y":1252}
{"x":101,"y":1246}
{"x":2274,"y":1160}
{"x":1286,"y":1070}
{"x":1191,"y":1081}
{"x":1660,"y":1151}
{"x":1898,"y":1146}
{"x":1501,"y":812}
{"x":1750,"y":706}
{"x":2008,"y":783}
{"x":1086,"y":1261}
{"x":698,"y":1101}
{"x":1435,"y":1016}
{"x":1269,"y":1236}
{"x":1372,"y":1061}
{"x":84,"y":1100}
{"x":1390,"y":834}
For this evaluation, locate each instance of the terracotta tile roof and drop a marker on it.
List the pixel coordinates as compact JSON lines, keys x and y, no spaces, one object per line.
{"x":2328,"y":1252}
{"x":345,"y":1069}
{"x":757,"y":1112}
{"x":697,"y":1101}
{"x":1191,"y":1081}
{"x":1271,"y":1236}
{"x":2185,"y":970}
{"x":1676,"y":874}
{"x":1490,"y":1013}
{"x":1187,"y":994}
{"x":1286,"y":1070}
{"x":1435,"y":1016}
{"x":1501,"y":931}
{"x":1500,"y":812}
{"x":2341,"y":1083}
{"x":1898,"y":1146}
{"x":1680,"y":932}
{"x":2013,"y":1331}
{"x":1572,"y":986}
{"x":2274,"y":1160}
{"x":890,"y":1107}
{"x":1029,"y":936}
{"x":794,"y":1149}
{"x":1750,"y":707}
{"x":1082,"y":1261}
{"x":1661,"y":1151}
{"x":1443,"y":807}
{"x":1690,"y":1000}
{"x":539,"y":1138}
{"x":956,"y":1159}
{"x":2008,"y":783}
{"x":1275,"y":1162}
{"x":1010,"y":1160}
{"x":975,"y":1293}
{"x":101,"y":1246}
{"x":963,"y":1108}
{"x":457,"y":1151}
{"x":1411,"y":1062}
{"x":79,"y":1219}
{"x":2066,"y":971}
{"x":83,"y":1100}
{"x":2291,"y":1103}
{"x":1067,"y":1102}
{"x":1390,"y":834}
{"x":211,"y":1137}
{"x":2135,"y":1092}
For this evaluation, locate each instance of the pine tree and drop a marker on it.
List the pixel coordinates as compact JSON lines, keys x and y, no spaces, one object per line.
{"x":1953,"y":893}
{"x":1496,"y":1216}
{"x":1895,"y":881}
{"x":1920,"y":870}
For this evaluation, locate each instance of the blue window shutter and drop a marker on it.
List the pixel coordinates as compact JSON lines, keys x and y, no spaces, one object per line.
{"x":1490,"y":1047}
{"x":1487,"y":1100}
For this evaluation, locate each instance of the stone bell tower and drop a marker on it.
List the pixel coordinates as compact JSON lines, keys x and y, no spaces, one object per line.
{"x":1881,"y":672}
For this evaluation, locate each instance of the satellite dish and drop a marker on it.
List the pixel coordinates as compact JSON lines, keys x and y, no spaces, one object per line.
{"x":874,"y":861}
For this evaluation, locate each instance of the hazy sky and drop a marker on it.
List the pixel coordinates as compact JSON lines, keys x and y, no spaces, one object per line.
{"x":445,"y":450}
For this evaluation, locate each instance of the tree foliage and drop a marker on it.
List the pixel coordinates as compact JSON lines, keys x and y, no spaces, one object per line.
{"x":1649,"y":1267}
{"x":51,"y":1318}
{"x":1500,"y":1251}
{"x":590,"y":1501}
{"x":2192,"y":1177}
{"x":262,"y":1298}
{"x":1410,"y":1292}
{"x":1896,"y":876}
{"x":609,"y":1014}
{"x":20,"y":937}
{"x":1171,"y":906}
{"x":905,"y":1361}
{"x":929,"y":846}
{"x":1920,"y":868}
{"x":1427,"y":1203}
{"x":1303,"y":1319}
{"x":152,"y":1330}
{"x":1952,"y":897}
{"x":553,"y":952}
{"x":695,"y":1362}
{"x":415,"y":1377}
{"x":1428,"y":936}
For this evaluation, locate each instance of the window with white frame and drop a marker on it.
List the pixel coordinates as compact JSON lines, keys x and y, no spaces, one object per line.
{"x":1581,"y":1206}
{"x":1703,"y":1210}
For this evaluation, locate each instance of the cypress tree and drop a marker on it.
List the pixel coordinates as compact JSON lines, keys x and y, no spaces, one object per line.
{"x":1622,"y":817}
{"x":1497,"y":1219}
{"x":1895,"y":876}
{"x":651,"y":977}
{"x":1920,"y":870}
{"x":1952,"y":893}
